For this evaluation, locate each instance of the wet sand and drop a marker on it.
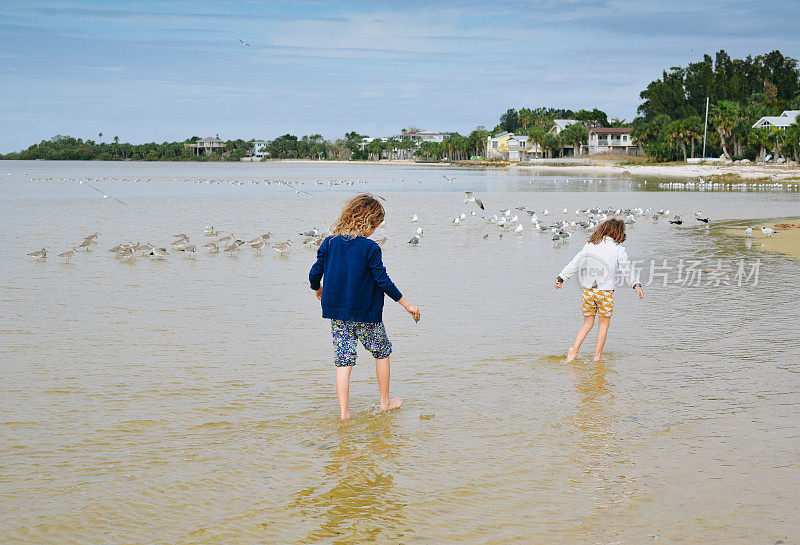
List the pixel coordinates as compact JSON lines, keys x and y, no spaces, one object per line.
{"x":785,"y":240}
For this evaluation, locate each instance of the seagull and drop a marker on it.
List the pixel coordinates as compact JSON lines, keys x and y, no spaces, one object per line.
{"x":518,"y":228}
{"x":414,"y":219}
{"x":244,"y":44}
{"x":414,"y":241}
{"x":748,"y":232}
{"x":704,"y":220}
{"x":545,"y":212}
{"x":449,"y":180}
{"x":104,"y":194}
{"x":768,"y":231}
{"x":419,"y":231}
{"x":457,"y":220}
{"x":676,"y":220}
{"x":310,"y":233}
{"x":471,"y":198}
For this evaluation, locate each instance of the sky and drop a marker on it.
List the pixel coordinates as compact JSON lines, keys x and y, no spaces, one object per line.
{"x":167,"y":70}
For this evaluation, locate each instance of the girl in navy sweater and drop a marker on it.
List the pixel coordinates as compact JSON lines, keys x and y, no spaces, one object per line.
{"x":352,"y":296}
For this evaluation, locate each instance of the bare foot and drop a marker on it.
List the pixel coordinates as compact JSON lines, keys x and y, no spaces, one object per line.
{"x":598,"y":357}
{"x":571,"y":353}
{"x":393,"y":404}
{"x":345,"y":416}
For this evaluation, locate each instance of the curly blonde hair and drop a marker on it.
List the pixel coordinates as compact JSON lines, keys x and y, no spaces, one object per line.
{"x":361,"y":215}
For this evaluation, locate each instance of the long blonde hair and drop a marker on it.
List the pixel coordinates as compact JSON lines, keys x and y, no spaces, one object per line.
{"x":360,"y":215}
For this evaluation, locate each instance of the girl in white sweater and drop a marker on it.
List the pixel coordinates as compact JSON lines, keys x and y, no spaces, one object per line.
{"x":597,"y":264}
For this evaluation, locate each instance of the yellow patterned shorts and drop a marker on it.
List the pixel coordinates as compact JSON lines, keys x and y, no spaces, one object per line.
{"x":595,"y":301}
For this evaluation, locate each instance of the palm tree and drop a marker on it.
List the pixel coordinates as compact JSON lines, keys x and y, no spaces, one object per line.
{"x":676,"y":135}
{"x":725,"y":115}
{"x":116,"y":139}
{"x":100,"y":136}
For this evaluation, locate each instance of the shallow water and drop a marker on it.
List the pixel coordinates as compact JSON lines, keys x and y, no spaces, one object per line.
{"x":192,"y":400}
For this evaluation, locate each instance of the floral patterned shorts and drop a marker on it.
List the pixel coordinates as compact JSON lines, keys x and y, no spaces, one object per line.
{"x":346,"y":336}
{"x":595,"y":301}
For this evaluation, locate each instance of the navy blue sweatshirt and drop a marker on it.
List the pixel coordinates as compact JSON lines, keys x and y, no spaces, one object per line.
{"x":355,"y":279}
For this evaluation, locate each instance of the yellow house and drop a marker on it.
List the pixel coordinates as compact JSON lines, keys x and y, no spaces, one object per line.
{"x":507,"y":146}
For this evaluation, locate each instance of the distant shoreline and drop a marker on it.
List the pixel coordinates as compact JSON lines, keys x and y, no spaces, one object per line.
{"x":733,"y":173}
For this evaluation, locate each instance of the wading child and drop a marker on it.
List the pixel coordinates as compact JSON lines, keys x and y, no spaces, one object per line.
{"x":597,"y":265}
{"x":352,"y":295}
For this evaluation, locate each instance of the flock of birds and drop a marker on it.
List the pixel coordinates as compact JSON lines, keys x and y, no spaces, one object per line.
{"x":709,"y":185}
{"x":506,"y":220}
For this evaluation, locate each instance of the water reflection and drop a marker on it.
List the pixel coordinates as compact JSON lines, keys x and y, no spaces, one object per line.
{"x":355,"y":500}
{"x":598,"y":456}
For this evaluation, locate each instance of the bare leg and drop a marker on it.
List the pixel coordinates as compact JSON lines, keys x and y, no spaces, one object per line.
{"x":382,"y":370}
{"x":343,"y":390}
{"x":588,"y":322}
{"x":602,"y":331}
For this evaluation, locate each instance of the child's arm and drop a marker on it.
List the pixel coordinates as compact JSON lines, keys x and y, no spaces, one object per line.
{"x":628,"y":272}
{"x":317,"y":270}
{"x":385,"y":283}
{"x":570,"y":270}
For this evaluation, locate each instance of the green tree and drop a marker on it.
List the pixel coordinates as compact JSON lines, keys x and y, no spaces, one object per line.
{"x":509,"y":121}
{"x":724,"y":115}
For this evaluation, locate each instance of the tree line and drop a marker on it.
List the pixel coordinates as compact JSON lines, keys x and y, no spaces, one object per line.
{"x":670,"y":124}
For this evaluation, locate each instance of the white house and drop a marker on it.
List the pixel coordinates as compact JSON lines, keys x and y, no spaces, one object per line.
{"x":260,"y":149}
{"x":788,"y":117}
{"x":615,"y":140}
{"x":419,"y":136}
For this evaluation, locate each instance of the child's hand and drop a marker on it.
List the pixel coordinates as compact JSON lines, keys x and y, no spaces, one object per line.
{"x":414,"y":311}
{"x":318,"y":291}
{"x":640,"y":292}
{"x":558,"y":284}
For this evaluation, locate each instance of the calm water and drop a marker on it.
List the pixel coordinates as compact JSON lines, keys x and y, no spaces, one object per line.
{"x":192,"y":401}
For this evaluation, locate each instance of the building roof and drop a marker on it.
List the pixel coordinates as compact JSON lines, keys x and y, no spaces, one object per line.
{"x":502,"y":134}
{"x":611,"y":130}
{"x":520,"y":138}
{"x":791,"y":114}
{"x":210,"y":139}
{"x":564,"y":123}
{"x":774,"y":121}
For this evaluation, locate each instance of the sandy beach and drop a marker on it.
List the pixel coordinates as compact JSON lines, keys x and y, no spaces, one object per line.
{"x":785,"y":240}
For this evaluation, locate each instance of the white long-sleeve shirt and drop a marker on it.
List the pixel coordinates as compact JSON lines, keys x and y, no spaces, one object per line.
{"x":597,"y":266}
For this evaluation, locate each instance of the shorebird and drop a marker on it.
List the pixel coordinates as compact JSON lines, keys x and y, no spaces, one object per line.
{"x":208,"y":231}
{"x":86,"y":243}
{"x":159,"y":252}
{"x":233,"y":246}
{"x":518,"y":228}
{"x":748,"y":232}
{"x":310,"y":233}
{"x":414,"y":218}
{"x":768,"y":231}
{"x":211,"y":247}
{"x":66,"y":255}
{"x":125,"y":254}
{"x":676,"y":220}
{"x":257,"y":246}
{"x":282,"y":247}
{"x":414,"y":240}
{"x":471,"y":198}
{"x":419,"y":231}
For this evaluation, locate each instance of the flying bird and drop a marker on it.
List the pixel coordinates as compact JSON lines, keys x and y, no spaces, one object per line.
{"x":471,"y":198}
{"x":244,"y":44}
{"x":449,"y":180}
{"x":104,"y":194}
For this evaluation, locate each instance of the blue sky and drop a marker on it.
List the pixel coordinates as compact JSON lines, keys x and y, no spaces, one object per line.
{"x":153,"y":70}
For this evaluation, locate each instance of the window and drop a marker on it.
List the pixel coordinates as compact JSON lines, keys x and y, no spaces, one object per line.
{"x":624,"y":137}
{"x":494,"y":144}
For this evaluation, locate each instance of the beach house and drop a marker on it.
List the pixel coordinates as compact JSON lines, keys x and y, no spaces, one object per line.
{"x":507,"y":146}
{"x":418,"y":136}
{"x":260,"y":149}
{"x":207,"y":145}
{"x":561,"y":124}
{"x":788,"y":117}
{"x":614,"y":140}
